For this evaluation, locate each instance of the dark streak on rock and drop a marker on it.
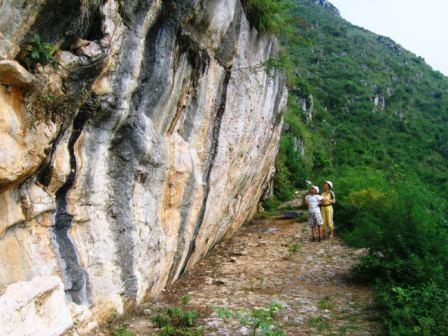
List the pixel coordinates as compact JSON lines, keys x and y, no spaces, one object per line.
{"x":122,"y":172}
{"x":127,"y":149}
{"x":76,"y":278}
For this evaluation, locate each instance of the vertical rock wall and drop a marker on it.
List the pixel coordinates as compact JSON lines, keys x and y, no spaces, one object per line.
{"x":170,"y":155}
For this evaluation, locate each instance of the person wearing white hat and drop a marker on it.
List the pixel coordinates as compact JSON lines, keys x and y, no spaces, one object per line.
{"x":327,"y":208}
{"x":313,"y":201}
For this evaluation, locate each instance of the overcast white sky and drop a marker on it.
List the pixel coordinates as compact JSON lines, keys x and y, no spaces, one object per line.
{"x":420,"y":26}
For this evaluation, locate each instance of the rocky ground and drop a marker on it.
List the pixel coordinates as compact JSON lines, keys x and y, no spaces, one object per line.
{"x":271,"y":261}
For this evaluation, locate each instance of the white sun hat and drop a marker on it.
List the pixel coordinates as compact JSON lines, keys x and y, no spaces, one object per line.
{"x":316,"y":188}
{"x":330,"y":184}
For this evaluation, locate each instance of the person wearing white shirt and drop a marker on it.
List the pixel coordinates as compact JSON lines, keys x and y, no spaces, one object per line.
{"x":313,"y":200}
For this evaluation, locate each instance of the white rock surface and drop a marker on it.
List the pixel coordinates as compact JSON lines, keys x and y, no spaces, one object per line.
{"x":34,"y":308}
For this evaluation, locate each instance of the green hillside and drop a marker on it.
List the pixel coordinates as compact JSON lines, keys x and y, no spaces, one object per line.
{"x":373,"y":118}
{"x":344,"y":69}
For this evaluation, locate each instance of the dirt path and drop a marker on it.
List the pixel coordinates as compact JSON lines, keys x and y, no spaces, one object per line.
{"x":273,"y":260}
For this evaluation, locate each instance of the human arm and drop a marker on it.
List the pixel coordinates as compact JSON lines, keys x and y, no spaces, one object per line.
{"x":333,"y":198}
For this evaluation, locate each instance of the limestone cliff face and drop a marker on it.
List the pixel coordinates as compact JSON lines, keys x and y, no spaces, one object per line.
{"x":102,"y":207}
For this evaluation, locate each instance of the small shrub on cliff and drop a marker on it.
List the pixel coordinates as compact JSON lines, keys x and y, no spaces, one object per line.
{"x":57,"y":106}
{"x":38,"y":52}
{"x":274,"y":17}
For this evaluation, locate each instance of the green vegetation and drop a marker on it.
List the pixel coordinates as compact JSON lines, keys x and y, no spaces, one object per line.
{"x":340,"y":72}
{"x":261,"y":322}
{"x":373,"y":118}
{"x":177,"y":321}
{"x":293,"y":248}
{"x":39,"y":52}
{"x":257,"y":283}
{"x":402,"y":222}
{"x":319,"y":323}
{"x":326,"y":304}
{"x":269,"y":16}
{"x":122,"y":330}
{"x":58,"y":106}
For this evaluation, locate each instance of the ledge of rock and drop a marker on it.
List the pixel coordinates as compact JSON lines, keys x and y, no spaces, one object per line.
{"x":12,"y":73}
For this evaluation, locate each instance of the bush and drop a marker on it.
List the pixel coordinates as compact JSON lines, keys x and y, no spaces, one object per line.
{"x":260,"y":321}
{"x":177,"y":321}
{"x":282,"y":185}
{"x":415,"y":310}
{"x":58,"y":106}
{"x":38,"y":52}
{"x":399,"y":221}
{"x":270,"y":205}
{"x":122,"y":330}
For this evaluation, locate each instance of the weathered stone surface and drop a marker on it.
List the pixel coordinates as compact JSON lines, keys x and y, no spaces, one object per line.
{"x":16,"y":19}
{"x":12,"y":212}
{"x":171,"y":155}
{"x":12,"y":73}
{"x":34,"y":308}
{"x":23,"y":141}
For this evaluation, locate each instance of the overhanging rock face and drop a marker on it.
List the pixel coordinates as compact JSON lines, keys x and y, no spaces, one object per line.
{"x":171,"y":154}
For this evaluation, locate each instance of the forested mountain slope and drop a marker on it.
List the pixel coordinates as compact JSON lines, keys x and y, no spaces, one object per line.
{"x":360,"y":99}
{"x":373,"y":118}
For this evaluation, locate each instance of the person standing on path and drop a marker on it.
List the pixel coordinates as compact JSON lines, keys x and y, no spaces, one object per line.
{"x":327,"y":208}
{"x":313,"y":201}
